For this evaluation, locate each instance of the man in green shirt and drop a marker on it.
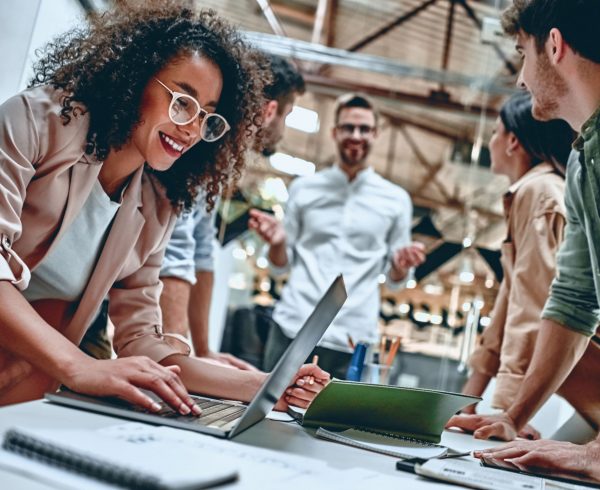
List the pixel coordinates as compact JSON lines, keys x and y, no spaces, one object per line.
{"x":561,"y":69}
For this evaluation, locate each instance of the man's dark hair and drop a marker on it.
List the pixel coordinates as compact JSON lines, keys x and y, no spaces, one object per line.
{"x":577,"y":20}
{"x":287,"y":81}
{"x":548,"y":141}
{"x":353,"y":99}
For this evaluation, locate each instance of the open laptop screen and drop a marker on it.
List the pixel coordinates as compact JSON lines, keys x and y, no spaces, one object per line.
{"x":294,"y":356}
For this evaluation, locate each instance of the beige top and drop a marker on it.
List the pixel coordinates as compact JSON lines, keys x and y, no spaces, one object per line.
{"x":535,"y":214}
{"x":45,"y":179}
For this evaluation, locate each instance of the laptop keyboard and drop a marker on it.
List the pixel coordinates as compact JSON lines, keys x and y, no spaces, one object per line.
{"x":214,"y":413}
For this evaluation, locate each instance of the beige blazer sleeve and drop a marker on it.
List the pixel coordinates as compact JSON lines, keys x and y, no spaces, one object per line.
{"x":21,"y":145}
{"x":33,"y":142}
{"x":486,"y":356}
{"x":134,"y":307}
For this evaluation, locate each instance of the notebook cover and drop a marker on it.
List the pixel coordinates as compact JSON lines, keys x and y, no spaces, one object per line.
{"x":404,"y":412}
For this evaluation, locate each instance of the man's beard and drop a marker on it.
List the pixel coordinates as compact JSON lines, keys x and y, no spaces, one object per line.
{"x":551,"y":87}
{"x":354,"y":162}
{"x":269,"y":141}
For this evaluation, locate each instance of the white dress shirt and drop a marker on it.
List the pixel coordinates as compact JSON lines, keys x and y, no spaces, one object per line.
{"x":336,"y":226}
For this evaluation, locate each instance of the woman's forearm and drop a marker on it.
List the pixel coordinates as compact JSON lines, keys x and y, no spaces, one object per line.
{"x":24,"y":333}
{"x":208,"y":378}
{"x":557,"y":351}
{"x":476,"y":384}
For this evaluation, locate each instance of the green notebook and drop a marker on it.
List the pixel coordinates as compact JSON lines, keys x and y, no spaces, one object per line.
{"x":412,"y":413}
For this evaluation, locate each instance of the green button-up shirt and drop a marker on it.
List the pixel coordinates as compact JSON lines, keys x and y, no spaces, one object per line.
{"x":575,"y":292}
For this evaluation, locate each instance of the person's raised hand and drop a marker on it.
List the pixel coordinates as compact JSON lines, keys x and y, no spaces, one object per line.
{"x":267,"y":227}
{"x":404,"y":258}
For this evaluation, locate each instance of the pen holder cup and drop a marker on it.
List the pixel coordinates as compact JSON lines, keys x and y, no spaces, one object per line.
{"x":376,"y":373}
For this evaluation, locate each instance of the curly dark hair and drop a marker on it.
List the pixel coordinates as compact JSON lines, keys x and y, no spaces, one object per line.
{"x":106,"y":65}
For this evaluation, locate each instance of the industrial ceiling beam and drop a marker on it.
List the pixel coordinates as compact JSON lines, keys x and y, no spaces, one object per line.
{"x":431,"y":168}
{"x":271,"y":18}
{"x":501,"y":54}
{"x":391,"y":154}
{"x":440,"y":129}
{"x":330,"y":21}
{"x":320,"y":14}
{"x":304,"y":18}
{"x":448,"y":39}
{"x":342,"y":85}
{"x":391,"y":25}
{"x":318,"y":53}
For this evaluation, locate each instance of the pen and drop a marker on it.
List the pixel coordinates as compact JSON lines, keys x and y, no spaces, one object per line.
{"x":457,"y":455}
{"x":382,"y":347}
{"x":392,"y":352}
{"x":315,"y":361}
{"x":351,"y":342}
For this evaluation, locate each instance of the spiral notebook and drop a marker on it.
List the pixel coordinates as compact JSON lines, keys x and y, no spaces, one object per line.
{"x":154,"y":465}
{"x":399,"y":447}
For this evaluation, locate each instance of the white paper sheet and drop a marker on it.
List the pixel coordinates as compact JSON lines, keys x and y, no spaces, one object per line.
{"x":256,"y":466}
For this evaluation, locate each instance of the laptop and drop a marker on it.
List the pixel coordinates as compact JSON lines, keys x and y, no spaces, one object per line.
{"x":224,"y":418}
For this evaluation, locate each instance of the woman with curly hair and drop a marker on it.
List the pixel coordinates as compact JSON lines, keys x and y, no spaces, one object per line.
{"x":121,"y":124}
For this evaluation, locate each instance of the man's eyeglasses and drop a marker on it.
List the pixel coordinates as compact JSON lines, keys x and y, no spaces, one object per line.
{"x":183,"y":109}
{"x":363,"y":129}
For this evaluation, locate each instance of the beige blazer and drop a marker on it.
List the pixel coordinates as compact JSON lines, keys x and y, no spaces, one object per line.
{"x":535,"y":214}
{"x":45,"y":178}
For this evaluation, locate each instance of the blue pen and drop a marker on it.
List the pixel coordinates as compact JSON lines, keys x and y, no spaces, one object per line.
{"x":357,"y":362}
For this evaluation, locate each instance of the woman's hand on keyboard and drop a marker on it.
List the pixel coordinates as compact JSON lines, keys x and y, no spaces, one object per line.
{"x":124,"y":377}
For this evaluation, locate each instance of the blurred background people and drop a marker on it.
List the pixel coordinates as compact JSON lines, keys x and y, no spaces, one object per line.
{"x":344,"y":219}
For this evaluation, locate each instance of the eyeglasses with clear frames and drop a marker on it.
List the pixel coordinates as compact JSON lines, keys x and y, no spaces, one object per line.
{"x":363,"y":129}
{"x":184,"y":108}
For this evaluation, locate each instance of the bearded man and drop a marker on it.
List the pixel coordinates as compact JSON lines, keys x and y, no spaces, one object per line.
{"x":344,"y":219}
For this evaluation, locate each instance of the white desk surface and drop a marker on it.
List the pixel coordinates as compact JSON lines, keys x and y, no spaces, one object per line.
{"x":288,"y":437}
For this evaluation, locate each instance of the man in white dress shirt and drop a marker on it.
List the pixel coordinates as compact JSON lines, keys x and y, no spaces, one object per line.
{"x":345,"y":219}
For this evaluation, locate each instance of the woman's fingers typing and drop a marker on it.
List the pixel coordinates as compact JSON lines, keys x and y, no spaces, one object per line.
{"x":165,"y":382}
{"x":128,"y":377}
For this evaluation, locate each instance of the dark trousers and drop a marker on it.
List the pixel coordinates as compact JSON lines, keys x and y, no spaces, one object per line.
{"x":95,"y":342}
{"x":334,"y":362}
